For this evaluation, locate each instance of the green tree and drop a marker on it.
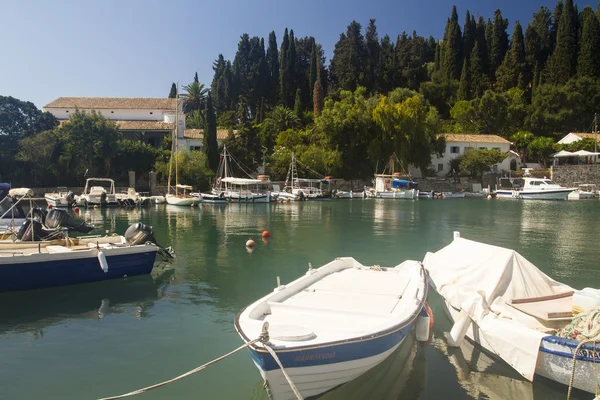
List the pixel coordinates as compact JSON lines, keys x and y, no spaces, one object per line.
{"x":453,"y":46}
{"x":512,"y":70}
{"x":482,"y":43}
{"x":313,"y":73}
{"x":173,"y":92}
{"x":562,"y":64}
{"x":133,"y":155}
{"x":298,"y":106}
{"x":373,"y":57}
{"x":279,"y":119}
{"x":588,"y":63}
{"x":521,"y":141}
{"x":541,"y":148}
{"x":478,"y":75}
{"x":195,"y":120}
{"x":273,"y":63}
{"x":192,"y":169}
{"x":479,"y":161}
{"x":348,"y":63}
{"x":284,"y":75}
{"x":194,"y":97}
{"x":39,"y":156}
{"x":499,"y":42}
{"x":464,"y":87}
{"x":211,"y":146}
{"x":469,"y":34}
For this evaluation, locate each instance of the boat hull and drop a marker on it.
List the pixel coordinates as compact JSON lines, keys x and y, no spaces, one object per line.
{"x":250,"y":198}
{"x":320,"y":369}
{"x":555,"y":357}
{"x":560,"y":194}
{"x":56,"y":201}
{"x":409,"y":194}
{"x":182,"y":201}
{"x":213,"y":199}
{"x":41,"y":270}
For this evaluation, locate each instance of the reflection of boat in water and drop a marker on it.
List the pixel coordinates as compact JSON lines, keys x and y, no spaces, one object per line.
{"x":39,"y":309}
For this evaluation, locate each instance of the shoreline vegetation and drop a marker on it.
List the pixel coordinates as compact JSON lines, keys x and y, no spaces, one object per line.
{"x":377,"y":97}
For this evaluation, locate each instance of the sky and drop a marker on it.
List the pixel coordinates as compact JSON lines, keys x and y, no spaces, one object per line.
{"x":137,"y":48}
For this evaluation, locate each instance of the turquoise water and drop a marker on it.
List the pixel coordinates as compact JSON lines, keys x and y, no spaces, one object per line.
{"x":97,"y":340}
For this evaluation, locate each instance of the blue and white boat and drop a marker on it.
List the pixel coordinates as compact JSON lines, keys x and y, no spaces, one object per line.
{"x":33,"y":265}
{"x":533,"y":189}
{"x":333,"y":324}
{"x":505,"y":304}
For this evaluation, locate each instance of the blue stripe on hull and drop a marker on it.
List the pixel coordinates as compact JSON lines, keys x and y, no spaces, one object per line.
{"x":35,"y":275}
{"x":331,"y":354}
{"x":587,"y":352}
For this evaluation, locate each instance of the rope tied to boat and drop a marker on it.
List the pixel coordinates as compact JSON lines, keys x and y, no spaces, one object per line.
{"x":263,"y":338}
{"x":572,"y":380}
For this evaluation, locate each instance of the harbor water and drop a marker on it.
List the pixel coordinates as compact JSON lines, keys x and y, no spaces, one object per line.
{"x":102,"y":339}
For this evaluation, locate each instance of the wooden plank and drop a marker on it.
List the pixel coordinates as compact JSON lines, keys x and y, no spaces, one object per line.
{"x":565,"y":314}
{"x":542,"y":298}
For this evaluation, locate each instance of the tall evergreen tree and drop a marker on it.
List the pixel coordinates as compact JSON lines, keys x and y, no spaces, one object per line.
{"x":437,"y":61}
{"x":348,"y":63}
{"x":478,"y":74}
{"x":499,"y":45}
{"x":563,"y":62}
{"x":453,"y":46}
{"x":373,"y":50}
{"x":298,"y":107}
{"x":464,"y":87}
{"x":542,"y":23}
{"x":387,"y":65}
{"x":469,"y":34}
{"x":402,"y":57}
{"x":556,"y":17}
{"x":588,"y":63}
{"x":211,"y":146}
{"x":513,"y":67}
{"x":283,"y":73}
{"x":173,"y":92}
{"x":318,"y":95}
{"x":219,"y":86}
{"x":273,"y":64}
{"x":290,"y":71}
{"x":312,"y":73}
{"x":533,"y":50}
{"x":483,"y":52}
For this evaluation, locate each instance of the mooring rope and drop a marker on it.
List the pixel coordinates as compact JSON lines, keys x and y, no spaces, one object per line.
{"x":263,"y":338}
{"x":572,"y":380}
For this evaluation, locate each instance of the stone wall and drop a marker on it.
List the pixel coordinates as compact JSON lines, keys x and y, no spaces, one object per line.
{"x":571,"y":175}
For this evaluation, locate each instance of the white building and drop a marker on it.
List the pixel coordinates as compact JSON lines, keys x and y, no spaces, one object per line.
{"x":194,"y":138}
{"x":457,"y":144}
{"x":576,"y":137}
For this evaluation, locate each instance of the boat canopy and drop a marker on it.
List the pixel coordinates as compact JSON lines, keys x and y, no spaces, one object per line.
{"x":485,"y":282}
{"x":402,"y":184}
{"x":186,"y":187}
{"x":244,"y":181}
{"x":20,"y":192}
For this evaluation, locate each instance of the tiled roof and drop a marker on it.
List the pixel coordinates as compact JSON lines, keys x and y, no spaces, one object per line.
{"x":137,"y":125}
{"x":96,"y":103}
{"x":587,"y":135}
{"x":459,"y":137}
{"x":199,"y":134}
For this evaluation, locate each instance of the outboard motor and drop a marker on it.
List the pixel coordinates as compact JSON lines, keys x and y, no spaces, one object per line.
{"x":103,"y":199}
{"x":139,"y":234}
{"x":57,"y":218}
{"x":37,"y":214}
{"x":70,"y":197}
{"x":31,"y":230}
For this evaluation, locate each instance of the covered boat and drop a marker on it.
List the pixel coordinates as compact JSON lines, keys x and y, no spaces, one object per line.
{"x":509,"y":307}
{"x":333,"y":324}
{"x":392,"y":187}
{"x":63,"y":197}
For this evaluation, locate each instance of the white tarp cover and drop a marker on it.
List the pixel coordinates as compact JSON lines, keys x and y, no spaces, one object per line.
{"x":563,"y":153}
{"x":480,"y":279}
{"x":585,"y":153}
{"x":244,"y":181}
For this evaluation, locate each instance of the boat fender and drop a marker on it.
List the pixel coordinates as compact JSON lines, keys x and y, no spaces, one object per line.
{"x":422,"y":326}
{"x":250,"y":243}
{"x":266,"y":233}
{"x":102,"y":260}
{"x":430,"y":313}
{"x":459,"y":329}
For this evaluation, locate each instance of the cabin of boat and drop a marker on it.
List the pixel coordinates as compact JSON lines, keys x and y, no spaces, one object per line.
{"x":531,"y":188}
{"x":94,"y":194}
{"x":391,"y":186}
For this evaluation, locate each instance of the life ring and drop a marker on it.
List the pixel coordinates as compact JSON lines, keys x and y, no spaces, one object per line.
{"x":218,"y":180}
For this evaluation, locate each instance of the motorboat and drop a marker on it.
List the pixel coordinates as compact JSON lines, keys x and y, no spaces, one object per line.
{"x":503,"y":303}
{"x":158,"y":199}
{"x":31,"y":265}
{"x":210,"y":198}
{"x":239,"y":190}
{"x":332,"y":325}
{"x":529,"y":188}
{"x":392,"y":187}
{"x":94,"y":194}
{"x":131,"y":198}
{"x":342,"y":194}
{"x":425,"y":195}
{"x":584,"y":191}
{"x":182,"y":196}
{"x":453,"y":195}
{"x":62,"y":197}
{"x":12,"y":212}
{"x":358,"y":194}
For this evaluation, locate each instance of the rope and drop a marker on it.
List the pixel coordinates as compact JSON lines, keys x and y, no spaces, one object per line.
{"x":200,"y":368}
{"x":287,"y":377}
{"x":572,"y":380}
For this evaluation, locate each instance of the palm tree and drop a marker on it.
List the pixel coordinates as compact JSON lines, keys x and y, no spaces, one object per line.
{"x":195,"y":120}
{"x":194,"y":98}
{"x":280,"y":119}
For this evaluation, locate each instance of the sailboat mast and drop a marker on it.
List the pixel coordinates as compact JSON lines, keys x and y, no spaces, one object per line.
{"x":176,"y":137}
{"x":225,"y":175}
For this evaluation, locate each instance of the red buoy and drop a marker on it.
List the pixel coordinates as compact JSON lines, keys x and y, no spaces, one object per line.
{"x":49,"y":206}
{"x":76,"y":210}
{"x":266,"y":233}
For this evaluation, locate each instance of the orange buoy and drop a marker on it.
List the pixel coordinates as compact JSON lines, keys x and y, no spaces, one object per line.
{"x":266,"y":233}
{"x":250,"y":243}
{"x":76,"y":210}
{"x":430,"y":313}
{"x":49,"y":206}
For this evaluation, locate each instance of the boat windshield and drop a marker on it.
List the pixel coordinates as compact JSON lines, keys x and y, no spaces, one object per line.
{"x":549,"y":182}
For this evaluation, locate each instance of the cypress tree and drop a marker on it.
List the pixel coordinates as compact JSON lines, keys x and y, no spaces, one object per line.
{"x":469,"y":35}
{"x":173,"y":92}
{"x":483,"y":52}
{"x":588,"y":63}
{"x":512,"y":68}
{"x":298,"y":107}
{"x":563,"y":62}
{"x":542,"y":23}
{"x":499,"y":45}
{"x":196,"y":78}
{"x":318,"y":95}
{"x":283,"y":74}
{"x":211,"y":146}
{"x":312,"y":73}
{"x":558,"y":9}
{"x":533,"y":50}
{"x":402,"y":57}
{"x":452,"y":55}
{"x":291,"y":73}
{"x":479,"y":81}
{"x":436,"y":61}
{"x":348,"y":62}
{"x":373,"y":56}
{"x":273,"y":64}
{"x":388,"y":65}
{"x":489,"y":32}
{"x":464,"y":87}
{"x":598,"y":11}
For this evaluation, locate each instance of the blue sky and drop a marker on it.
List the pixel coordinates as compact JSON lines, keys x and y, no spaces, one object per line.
{"x":135,"y":48}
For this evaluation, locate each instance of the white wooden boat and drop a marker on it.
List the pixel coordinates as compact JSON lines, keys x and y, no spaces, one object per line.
{"x":506,"y":305}
{"x":181,"y":197}
{"x":333,"y":324}
{"x":158,"y":199}
{"x":584,"y":191}
{"x":358,"y":195}
{"x":392,"y":187}
{"x":61,"y":198}
{"x":210,"y":198}
{"x":425,"y":195}
{"x":453,"y":195}
{"x":529,"y":188}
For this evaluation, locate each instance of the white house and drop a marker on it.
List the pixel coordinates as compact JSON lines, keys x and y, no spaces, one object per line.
{"x":194,"y":138}
{"x":457,"y":144}
{"x":576,"y":137}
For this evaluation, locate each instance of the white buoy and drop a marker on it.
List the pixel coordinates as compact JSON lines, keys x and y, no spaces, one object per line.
{"x":456,"y":234}
{"x":103,"y":262}
{"x":422,"y":331}
{"x":459,"y":329}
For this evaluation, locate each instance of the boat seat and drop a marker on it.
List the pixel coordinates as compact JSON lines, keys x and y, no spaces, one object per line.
{"x":330,"y":313}
{"x":57,"y":249}
{"x":290,"y":333}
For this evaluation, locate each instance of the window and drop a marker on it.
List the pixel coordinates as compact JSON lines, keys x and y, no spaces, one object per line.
{"x":468,"y":147}
{"x":195,"y":148}
{"x":496,"y":148}
{"x":67,"y":111}
{"x":483,"y":148}
{"x":454,"y":150}
{"x":440,"y":167}
{"x":112,"y":112}
{"x":151,"y":113}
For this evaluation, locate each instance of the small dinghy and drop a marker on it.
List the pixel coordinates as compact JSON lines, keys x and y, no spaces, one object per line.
{"x":332,"y":325}
{"x":505,"y":304}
